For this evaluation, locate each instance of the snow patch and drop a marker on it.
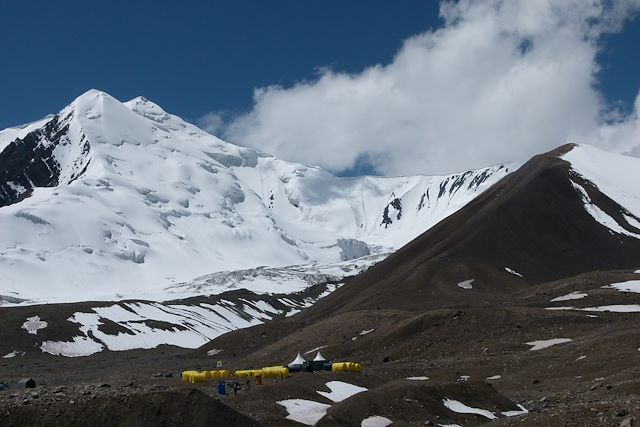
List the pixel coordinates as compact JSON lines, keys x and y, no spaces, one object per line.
{"x":10,"y":355}
{"x":621,"y":308}
{"x":313,"y":350}
{"x":542,"y":344}
{"x":516,"y":413}
{"x":16,"y":187}
{"x":461,"y":408}
{"x":466,"y":284}
{"x":632,"y":221}
{"x":628,"y":286}
{"x":80,"y":346}
{"x":571,"y":296}
{"x":304,"y":411}
{"x":495,"y":377}
{"x":366,"y":331}
{"x":341,"y":391}
{"x":33,"y":324}
{"x":421,"y":378}
{"x":376,"y":421}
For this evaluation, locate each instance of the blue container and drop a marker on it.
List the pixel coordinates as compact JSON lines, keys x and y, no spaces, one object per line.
{"x":222,"y":389}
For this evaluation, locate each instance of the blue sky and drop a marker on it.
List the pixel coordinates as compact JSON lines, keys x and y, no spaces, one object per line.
{"x":191,"y":57}
{"x":198,"y":57}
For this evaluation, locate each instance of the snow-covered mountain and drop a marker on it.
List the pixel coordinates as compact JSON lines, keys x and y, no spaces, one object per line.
{"x":107,"y":200}
{"x":617,"y":177}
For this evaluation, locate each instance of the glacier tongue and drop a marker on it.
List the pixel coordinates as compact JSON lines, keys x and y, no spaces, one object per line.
{"x":109,"y":200}
{"x":269,"y":280}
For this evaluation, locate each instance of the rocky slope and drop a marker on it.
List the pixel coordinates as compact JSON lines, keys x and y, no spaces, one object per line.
{"x":559,"y":215}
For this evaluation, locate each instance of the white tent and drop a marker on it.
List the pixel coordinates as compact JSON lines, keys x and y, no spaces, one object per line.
{"x":299,"y":360}
{"x":319,"y":358}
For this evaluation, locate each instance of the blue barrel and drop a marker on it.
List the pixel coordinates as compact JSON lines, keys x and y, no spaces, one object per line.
{"x":222,"y":389}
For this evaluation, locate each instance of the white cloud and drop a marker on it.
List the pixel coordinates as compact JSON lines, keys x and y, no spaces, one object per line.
{"x":212,"y":122}
{"x":499,"y":81}
{"x":621,"y":134}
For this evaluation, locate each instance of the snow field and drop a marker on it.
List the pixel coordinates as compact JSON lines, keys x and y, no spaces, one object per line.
{"x":137,"y":230}
{"x":150,"y":324}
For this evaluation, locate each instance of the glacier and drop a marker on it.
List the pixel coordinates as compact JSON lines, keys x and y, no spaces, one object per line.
{"x":108,"y":200}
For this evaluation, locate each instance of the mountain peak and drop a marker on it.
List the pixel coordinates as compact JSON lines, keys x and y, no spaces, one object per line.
{"x":92,"y":96}
{"x":148,"y":109}
{"x":92,"y":103}
{"x":107,"y":189}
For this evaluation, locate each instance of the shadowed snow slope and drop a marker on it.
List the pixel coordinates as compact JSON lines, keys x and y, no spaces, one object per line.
{"x":108,"y":200}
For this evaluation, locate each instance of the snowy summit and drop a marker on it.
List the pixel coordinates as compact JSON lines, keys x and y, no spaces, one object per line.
{"x":109,"y":200}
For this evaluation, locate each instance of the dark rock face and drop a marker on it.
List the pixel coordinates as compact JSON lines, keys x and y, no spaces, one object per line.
{"x":30,"y":162}
{"x":386,"y":218}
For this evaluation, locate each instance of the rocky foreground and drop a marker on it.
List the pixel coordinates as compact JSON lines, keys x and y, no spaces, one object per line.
{"x":559,"y":355}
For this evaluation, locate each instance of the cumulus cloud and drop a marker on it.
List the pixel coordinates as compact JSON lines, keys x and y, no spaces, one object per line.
{"x":621,"y":134}
{"x":498,"y":81}
{"x":212,"y":122}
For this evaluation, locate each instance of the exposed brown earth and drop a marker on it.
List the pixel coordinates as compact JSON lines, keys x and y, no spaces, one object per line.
{"x":557,"y":384}
{"x":158,"y":408}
